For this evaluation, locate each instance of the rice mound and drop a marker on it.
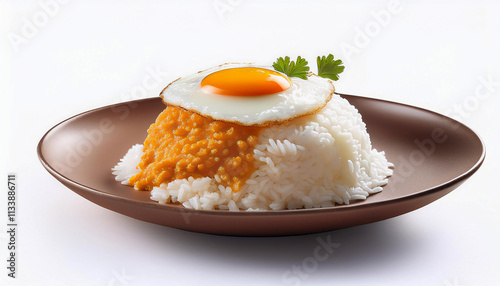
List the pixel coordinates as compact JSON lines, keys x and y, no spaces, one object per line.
{"x":313,"y":161}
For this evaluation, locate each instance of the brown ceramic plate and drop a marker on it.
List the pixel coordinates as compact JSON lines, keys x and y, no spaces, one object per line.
{"x":433,"y":155}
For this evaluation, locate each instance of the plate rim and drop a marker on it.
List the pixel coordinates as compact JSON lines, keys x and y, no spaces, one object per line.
{"x":337,"y":208}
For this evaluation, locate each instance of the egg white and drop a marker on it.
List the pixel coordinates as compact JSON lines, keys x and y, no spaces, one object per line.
{"x":304,"y":97}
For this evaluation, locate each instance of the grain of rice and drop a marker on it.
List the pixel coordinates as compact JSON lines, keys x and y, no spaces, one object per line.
{"x":314,"y":161}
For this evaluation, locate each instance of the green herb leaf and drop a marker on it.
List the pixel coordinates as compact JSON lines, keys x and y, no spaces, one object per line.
{"x":298,"y":68}
{"x":329,"y":68}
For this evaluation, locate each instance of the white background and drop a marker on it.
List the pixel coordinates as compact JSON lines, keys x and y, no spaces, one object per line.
{"x":62,"y":58}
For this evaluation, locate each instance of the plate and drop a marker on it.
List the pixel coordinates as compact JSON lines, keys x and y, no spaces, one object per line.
{"x":433,"y":155}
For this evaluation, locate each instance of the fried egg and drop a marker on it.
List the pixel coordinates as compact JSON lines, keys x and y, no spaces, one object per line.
{"x":248,"y":95}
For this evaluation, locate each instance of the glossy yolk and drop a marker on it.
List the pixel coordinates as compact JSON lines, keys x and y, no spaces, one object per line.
{"x":247,"y":81}
{"x":181,"y":144}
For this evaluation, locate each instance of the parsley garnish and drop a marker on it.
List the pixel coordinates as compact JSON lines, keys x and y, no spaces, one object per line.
{"x":329,"y":68}
{"x":298,"y":68}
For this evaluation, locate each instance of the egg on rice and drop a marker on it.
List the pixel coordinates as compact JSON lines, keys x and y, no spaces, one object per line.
{"x":246,"y":137}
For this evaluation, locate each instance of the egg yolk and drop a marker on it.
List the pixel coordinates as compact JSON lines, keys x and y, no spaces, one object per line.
{"x":246,"y":81}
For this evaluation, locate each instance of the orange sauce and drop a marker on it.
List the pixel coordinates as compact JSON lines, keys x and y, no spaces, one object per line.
{"x":181,"y":144}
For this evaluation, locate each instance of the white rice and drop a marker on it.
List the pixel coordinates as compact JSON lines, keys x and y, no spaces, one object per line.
{"x":310,"y":162}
